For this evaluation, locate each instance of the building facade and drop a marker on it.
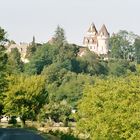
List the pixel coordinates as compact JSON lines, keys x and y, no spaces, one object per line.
{"x":97,"y":42}
{"x":22,"y":48}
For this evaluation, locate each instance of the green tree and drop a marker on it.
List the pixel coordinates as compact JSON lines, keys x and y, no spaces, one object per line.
{"x":90,"y":63}
{"x":59,"y":37}
{"x":3,"y":38}
{"x":122,"y":45}
{"x":118,"y":67}
{"x":15,"y":65}
{"x":58,"y":112}
{"x":3,"y":67}
{"x":71,"y":88}
{"x":44,"y":56}
{"x":67,"y":54}
{"x":25,"y":97}
{"x":110,"y":109}
{"x":54,"y":74}
{"x":31,"y":49}
{"x":137,"y":50}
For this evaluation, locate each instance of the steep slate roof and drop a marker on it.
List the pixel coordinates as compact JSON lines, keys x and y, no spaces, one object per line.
{"x":104,"y":31}
{"x":92,"y":28}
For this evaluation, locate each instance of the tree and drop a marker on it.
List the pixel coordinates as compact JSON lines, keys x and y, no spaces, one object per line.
{"x":44,"y":56}
{"x":31,"y":49}
{"x":90,"y":63}
{"x":58,"y":112}
{"x":3,"y":67}
{"x":71,"y":90}
{"x":137,"y":50}
{"x":122,"y":45}
{"x":115,"y":46}
{"x":3,"y":62}
{"x":15,"y":65}
{"x":67,"y":53}
{"x":120,"y":67}
{"x":3,"y":38}
{"x":127,"y":46}
{"x":54,"y":73}
{"x":110,"y":109}
{"x":25,"y":97}
{"x":59,"y":37}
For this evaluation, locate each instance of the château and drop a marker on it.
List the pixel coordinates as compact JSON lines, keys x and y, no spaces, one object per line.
{"x":97,"y":41}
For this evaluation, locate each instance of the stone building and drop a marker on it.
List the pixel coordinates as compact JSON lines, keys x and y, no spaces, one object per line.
{"x":22,"y":48}
{"x":97,"y":41}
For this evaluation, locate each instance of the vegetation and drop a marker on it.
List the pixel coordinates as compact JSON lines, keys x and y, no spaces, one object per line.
{"x":137,"y":50}
{"x":110,"y":109}
{"x":15,"y":65}
{"x":57,"y":82}
{"x":3,"y":68}
{"x":25,"y":97}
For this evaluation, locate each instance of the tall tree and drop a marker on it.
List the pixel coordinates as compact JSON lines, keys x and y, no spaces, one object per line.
{"x":15,"y":65}
{"x":59,"y":37}
{"x":3,"y":61}
{"x":3,"y":68}
{"x":32,"y":48}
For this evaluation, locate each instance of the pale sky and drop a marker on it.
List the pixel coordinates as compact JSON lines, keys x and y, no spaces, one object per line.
{"x":24,"y":18}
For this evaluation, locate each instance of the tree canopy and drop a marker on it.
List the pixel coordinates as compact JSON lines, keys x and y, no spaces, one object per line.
{"x":110,"y":109}
{"x":122,"y":45}
{"x":25,"y":96}
{"x":59,"y":36}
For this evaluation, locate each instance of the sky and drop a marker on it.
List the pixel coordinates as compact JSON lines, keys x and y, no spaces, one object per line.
{"x":23,"y":19}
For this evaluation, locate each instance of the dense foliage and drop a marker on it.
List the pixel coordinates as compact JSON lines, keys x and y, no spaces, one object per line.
{"x":25,"y":96}
{"x":15,"y":65}
{"x":3,"y":67}
{"x":57,"y":82}
{"x":110,"y":109}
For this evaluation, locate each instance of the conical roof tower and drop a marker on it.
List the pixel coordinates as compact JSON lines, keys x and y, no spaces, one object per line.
{"x":103,"y":31}
{"x":92,"y":29}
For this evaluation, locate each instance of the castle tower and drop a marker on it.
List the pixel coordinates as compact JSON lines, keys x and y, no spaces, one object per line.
{"x":97,"y":42}
{"x":103,"y":40}
{"x":90,"y":39}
